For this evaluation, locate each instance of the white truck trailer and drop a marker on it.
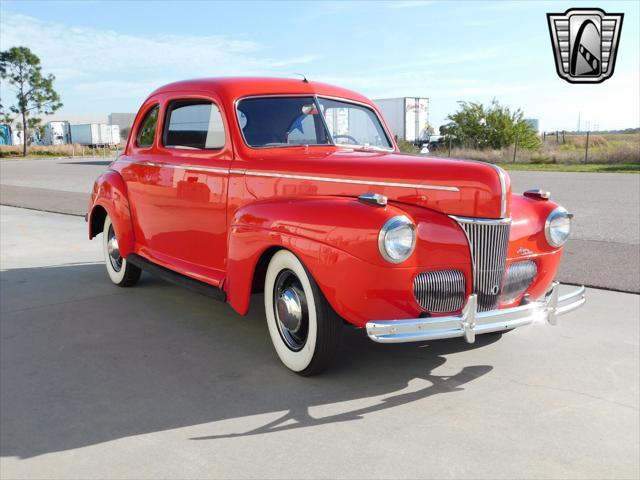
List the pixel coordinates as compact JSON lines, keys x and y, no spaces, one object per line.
{"x":57,"y":133}
{"x":95,"y":134}
{"x":115,"y":135}
{"x":407,"y":117}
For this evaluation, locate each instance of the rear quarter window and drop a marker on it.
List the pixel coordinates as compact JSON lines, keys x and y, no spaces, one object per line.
{"x":147,"y":130}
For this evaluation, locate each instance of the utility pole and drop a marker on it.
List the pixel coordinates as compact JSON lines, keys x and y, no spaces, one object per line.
{"x":578,"y":122}
{"x":586,"y":149}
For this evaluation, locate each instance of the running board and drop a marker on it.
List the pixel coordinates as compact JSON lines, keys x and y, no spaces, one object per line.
{"x":176,"y":278}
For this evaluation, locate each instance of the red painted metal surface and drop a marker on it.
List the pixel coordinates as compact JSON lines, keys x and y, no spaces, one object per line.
{"x":212,"y":215}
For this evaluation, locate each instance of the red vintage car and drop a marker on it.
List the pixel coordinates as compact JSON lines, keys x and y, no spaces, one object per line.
{"x":297,"y":189}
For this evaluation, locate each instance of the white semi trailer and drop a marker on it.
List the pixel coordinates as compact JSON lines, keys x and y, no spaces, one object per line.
{"x":57,"y":133}
{"x":407,"y":117}
{"x":95,"y":134}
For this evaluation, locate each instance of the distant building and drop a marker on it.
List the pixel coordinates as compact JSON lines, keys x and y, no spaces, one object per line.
{"x":125,"y":120}
{"x":534,"y":122}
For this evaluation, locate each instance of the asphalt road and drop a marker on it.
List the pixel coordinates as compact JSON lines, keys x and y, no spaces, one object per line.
{"x":604,"y":250}
{"x":155,"y":381}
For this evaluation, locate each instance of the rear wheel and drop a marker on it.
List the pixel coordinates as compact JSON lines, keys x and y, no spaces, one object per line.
{"x":303,"y":327}
{"x":120,"y":271}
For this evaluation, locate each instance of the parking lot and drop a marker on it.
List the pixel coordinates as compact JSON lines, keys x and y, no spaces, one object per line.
{"x":156,"y":381}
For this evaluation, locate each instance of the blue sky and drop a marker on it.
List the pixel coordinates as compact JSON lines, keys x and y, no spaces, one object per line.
{"x":107,"y":56}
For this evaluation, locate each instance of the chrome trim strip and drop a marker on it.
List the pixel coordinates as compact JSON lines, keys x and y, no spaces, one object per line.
{"x":293,"y":176}
{"x":471,"y":322}
{"x":484,"y":221}
{"x":503,"y":188}
{"x":349,"y":181}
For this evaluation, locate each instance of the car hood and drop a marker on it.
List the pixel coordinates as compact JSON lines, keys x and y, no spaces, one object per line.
{"x":454,"y":187}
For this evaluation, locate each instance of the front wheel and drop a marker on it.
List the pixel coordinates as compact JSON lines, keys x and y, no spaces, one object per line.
{"x":120,"y":271}
{"x":303,"y":327}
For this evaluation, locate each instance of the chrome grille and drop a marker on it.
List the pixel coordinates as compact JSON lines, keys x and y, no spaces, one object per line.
{"x":488,"y":241}
{"x":517,"y":279}
{"x":440,"y":291}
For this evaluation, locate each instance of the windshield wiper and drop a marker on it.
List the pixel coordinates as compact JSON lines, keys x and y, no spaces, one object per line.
{"x":366,"y":148}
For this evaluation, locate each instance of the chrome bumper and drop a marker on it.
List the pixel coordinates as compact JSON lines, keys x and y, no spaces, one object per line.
{"x":471,"y":322}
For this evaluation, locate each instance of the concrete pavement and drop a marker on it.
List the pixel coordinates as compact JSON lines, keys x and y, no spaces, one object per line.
{"x":604,"y":250}
{"x":156,"y":381}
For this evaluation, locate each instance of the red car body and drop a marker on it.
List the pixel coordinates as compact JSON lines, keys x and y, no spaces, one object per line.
{"x":218,"y":216}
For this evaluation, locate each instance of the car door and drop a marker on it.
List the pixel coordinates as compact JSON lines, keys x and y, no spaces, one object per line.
{"x":181,"y":192}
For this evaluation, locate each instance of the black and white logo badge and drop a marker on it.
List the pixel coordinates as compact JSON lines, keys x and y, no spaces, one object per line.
{"x":585,"y":43}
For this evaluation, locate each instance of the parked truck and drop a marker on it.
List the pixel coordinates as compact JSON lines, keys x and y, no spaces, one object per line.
{"x":95,"y":134}
{"x":115,"y":135}
{"x":57,"y":133}
{"x":407,"y":117}
{"x":5,"y":134}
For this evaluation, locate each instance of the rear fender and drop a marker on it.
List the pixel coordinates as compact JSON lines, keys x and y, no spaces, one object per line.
{"x":110,"y":193}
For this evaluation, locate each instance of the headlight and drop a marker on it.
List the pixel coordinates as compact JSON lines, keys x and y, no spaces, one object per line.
{"x":397,"y":239}
{"x":558,"y":227}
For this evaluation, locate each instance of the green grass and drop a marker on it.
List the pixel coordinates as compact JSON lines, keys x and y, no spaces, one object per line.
{"x":575,"y":167}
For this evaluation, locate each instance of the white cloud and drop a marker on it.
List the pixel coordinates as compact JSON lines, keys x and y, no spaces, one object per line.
{"x":75,"y":52}
{"x":90,"y":62}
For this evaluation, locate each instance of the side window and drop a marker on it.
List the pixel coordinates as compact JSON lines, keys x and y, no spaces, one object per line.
{"x":147,"y":130}
{"x":194,"y":124}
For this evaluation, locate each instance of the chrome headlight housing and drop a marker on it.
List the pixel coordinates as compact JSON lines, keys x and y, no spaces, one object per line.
{"x":397,"y":239}
{"x":557,"y":227}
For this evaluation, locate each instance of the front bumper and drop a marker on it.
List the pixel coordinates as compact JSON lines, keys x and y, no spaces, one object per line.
{"x":471,"y":322}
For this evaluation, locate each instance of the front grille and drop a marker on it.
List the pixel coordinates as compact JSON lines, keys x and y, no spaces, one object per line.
{"x":488,"y":241}
{"x":517,"y":279}
{"x":440,"y":291}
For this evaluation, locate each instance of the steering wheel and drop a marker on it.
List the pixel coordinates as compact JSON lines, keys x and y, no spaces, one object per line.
{"x":352,"y":140}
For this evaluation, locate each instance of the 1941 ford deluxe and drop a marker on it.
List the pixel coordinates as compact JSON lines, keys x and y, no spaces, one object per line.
{"x":298,"y":189}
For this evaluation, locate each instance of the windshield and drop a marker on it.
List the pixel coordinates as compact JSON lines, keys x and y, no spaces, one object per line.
{"x":281,"y":121}
{"x":290,"y":121}
{"x":351,"y":124}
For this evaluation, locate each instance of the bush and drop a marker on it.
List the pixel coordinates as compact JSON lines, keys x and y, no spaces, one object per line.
{"x":407,"y":147}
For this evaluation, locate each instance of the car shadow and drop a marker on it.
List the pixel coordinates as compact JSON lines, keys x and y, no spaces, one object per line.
{"x":85,"y":362}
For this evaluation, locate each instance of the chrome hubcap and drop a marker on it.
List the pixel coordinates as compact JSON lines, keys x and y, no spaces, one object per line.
{"x":290,"y":308}
{"x":113,"y":250}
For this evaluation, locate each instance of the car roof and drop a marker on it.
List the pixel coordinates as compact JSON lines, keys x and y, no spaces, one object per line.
{"x":233,"y":88}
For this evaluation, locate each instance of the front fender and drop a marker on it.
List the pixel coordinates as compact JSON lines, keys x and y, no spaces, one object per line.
{"x":110,"y":193}
{"x":527,"y":241}
{"x":336,"y":238}
{"x":342,"y":222}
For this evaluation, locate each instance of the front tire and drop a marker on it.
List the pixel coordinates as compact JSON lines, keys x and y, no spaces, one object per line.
{"x":303,"y":327}
{"x":120,"y":271}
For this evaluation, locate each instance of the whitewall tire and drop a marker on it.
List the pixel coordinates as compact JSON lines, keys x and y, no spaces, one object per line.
{"x":120,"y":272}
{"x":303,"y":327}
